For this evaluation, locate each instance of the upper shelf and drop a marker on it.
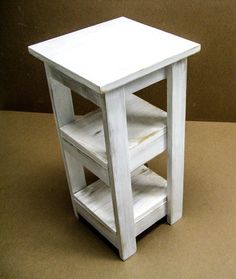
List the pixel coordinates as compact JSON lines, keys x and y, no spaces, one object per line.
{"x":114,"y":53}
{"x":146,"y":133}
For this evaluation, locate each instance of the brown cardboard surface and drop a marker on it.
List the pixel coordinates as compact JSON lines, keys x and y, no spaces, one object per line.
{"x":40,"y":238}
{"x":211,"y":79}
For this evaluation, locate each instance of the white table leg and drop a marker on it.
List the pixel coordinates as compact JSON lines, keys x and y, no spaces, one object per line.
{"x":62,"y":105}
{"x":176,"y":103}
{"x":115,"y":129}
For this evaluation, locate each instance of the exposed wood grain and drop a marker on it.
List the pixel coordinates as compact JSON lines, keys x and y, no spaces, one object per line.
{"x":64,"y":113}
{"x":149,"y":196}
{"x":105,"y":64}
{"x":111,"y":54}
{"x":116,"y":138}
{"x":76,"y":86}
{"x":146,"y":133}
{"x":86,"y":161}
{"x":94,"y":221}
{"x":176,"y":102}
{"x":93,"y":96}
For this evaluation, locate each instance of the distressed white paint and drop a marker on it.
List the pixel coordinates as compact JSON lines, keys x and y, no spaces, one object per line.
{"x":76,"y":86}
{"x":96,"y":222}
{"x":76,"y":172}
{"x":64,"y":113}
{"x":118,"y":58}
{"x":144,"y":81}
{"x":146,"y":132}
{"x":94,"y":97}
{"x":116,"y":138}
{"x":86,"y":161}
{"x":149,"y":194}
{"x":113,"y":53}
{"x":176,"y":102}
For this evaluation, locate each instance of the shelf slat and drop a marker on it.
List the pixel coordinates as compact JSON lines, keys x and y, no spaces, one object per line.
{"x":146,"y":133}
{"x":149,"y":199}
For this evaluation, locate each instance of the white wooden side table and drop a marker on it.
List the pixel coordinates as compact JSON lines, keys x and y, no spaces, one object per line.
{"x":105,"y":64}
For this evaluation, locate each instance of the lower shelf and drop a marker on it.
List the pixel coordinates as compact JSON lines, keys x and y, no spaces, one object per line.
{"x":149,"y":201}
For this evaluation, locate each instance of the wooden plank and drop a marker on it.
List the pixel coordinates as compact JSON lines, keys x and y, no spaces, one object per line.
{"x":176,"y":103}
{"x":149,"y":198}
{"x":87,"y":135}
{"x":145,"y":81}
{"x":116,"y":138}
{"x":64,"y":113}
{"x":146,"y":133}
{"x":61,"y":101}
{"x":91,"y":218}
{"x":146,"y":151}
{"x":94,"y":97}
{"x":149,"y":192}
{"x":76,"y":172}
{"x":109,"y":55}
{"x":76,"y":86}
{"x":86,"y":161}
{"x":151,"y":218}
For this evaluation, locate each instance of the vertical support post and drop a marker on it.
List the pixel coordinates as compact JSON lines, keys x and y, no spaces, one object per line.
{"x":116,"y":137}
{"x":63,"y":110}
{"x":176,"y":106}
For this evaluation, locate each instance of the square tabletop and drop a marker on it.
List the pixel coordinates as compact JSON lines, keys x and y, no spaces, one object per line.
{"x":110,"y":54}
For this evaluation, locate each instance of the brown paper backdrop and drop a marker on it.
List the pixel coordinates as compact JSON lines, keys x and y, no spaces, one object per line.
{"x":212,"y":74}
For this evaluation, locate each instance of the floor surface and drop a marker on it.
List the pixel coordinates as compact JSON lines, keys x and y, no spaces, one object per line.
{"x":41,"y":239}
